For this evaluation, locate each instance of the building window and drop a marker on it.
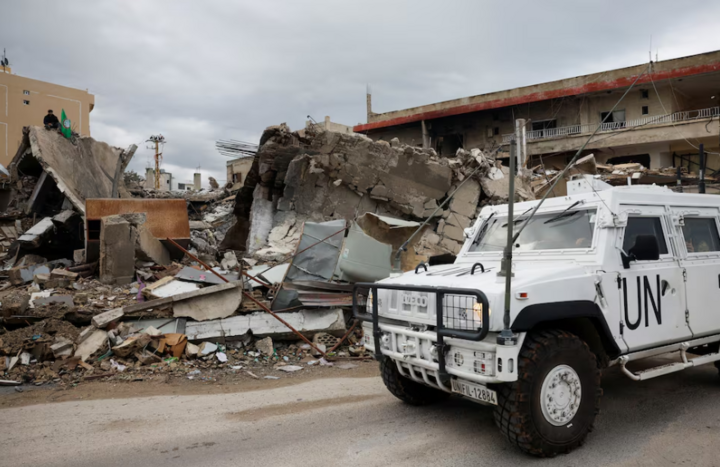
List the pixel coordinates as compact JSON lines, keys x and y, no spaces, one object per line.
{"x":645,"y":110}
{"x":26,"y":102}
{"x":27,"y":93}
{"x":496,"y":130}
{"x":645,"y":94}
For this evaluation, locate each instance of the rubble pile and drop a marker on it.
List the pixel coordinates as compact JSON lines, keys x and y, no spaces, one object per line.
{"x":97,"y":286}
{"x":321,"y":175}
{"x":543,"y":176}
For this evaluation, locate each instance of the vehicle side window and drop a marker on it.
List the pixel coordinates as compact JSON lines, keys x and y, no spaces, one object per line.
{"x":701,"y":235}
{"x":637,"y":226}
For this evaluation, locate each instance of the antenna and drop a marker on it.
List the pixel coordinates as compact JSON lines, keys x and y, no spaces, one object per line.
{"x":650,"y":49}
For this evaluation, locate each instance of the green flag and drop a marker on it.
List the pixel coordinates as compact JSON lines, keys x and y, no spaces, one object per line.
{"x":65,"y":125}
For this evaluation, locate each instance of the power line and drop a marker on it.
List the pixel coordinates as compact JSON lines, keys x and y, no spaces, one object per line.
{"x":577,"y":154}
{"x":671,"y":120}
{"x":235,"y":149}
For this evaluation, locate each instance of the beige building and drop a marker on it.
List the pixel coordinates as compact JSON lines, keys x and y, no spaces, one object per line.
{"x":237,"y":170}
{"x":673,"y":107}
{"x":166,"y":180}
{"x":25,"y":101}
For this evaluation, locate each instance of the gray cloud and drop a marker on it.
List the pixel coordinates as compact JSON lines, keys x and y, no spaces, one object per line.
{"x":199,"y":71}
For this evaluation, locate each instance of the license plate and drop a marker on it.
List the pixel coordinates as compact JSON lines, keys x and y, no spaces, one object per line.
{"x":474,"y":391}
{"x":421,"y":301}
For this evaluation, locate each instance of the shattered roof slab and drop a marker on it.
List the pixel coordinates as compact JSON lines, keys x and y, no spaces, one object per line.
{"x":82,"y":168}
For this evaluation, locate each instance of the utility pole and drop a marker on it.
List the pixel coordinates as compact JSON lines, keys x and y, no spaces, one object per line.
{"x":701,"y":184}
{"x":158,"y":140}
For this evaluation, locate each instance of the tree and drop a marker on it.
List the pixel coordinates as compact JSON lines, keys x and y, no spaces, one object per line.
{"x":132,"y":177}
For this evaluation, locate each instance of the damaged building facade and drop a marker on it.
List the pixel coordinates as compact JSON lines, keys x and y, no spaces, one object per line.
{"x":672,"y":108}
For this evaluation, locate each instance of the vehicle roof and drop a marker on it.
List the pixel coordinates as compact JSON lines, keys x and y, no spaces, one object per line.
{"x":635,"y":194}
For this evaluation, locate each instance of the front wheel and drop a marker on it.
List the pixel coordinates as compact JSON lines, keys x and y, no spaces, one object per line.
{"x":551,"y":408}
{"x":407,"y":390}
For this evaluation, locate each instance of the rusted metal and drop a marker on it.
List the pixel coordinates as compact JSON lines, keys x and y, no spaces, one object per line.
{"x":222,"y":278}
{"x":165,"y":217}
{"x":253,"y":299}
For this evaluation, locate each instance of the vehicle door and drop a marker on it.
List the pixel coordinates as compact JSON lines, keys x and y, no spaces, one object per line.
{"x":652,"y":292}
{"x":699,"y":245}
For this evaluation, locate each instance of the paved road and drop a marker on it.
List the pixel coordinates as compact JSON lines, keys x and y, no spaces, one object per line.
{"x":355,"y":422}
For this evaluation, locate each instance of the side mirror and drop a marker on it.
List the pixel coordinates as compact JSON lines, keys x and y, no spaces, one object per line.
{"x":646,"y":248}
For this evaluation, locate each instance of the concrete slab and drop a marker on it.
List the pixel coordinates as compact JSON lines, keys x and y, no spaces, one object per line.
{"x":95,"y":342}
{"x":117,"y":251}
{"x":209,"y":303}
{"x":263,"y":324}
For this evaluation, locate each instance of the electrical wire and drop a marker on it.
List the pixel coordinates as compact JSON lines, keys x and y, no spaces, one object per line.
{"x":577,"y":154}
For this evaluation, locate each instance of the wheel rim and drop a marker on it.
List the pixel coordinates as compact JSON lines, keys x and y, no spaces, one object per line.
{"x":561,"y":395}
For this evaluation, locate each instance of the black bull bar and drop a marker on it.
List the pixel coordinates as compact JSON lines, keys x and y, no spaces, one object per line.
{"x":441,"y":329}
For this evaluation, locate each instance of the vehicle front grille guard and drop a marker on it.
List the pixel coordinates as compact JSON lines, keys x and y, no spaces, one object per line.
{"x":441,"y":328}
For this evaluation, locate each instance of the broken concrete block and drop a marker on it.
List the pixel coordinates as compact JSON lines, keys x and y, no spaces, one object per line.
{"x":102,"y":320}
{"x":453,"y":232}
{"x":229,"y":260}
{"x":63,"y":274}
{"x":34,"y":237}
{"x":265,"y":346}
{"x":62,"y":348}
{"x":458,"y":220}
{"x":63,"y":219}
{"x":84,"y":334}
{"x":79,"y":256}
{"x":131,"y":345}
{"x":199,"y":225}
{"x":148,"y":290}
{"x":218,"y":301}
{"x":171,"y":288}
{"x":94,"y":343}
{"x":22,"y":274}
{"x":149,"y":248}
{"x":41,"y":278}
{"x":451,"y":246}
{"x":191,"y":350}
{"x":62,"y":300}
{"x":206,"y":348}
{"x":117,"y":251}
{"x":263,"y":324}
{"x":15,"y":304}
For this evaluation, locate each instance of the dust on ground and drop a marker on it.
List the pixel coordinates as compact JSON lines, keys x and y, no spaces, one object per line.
{"x":181,"y":386}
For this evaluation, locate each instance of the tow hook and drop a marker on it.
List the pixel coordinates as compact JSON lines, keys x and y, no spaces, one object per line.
{"x":408,"y":349}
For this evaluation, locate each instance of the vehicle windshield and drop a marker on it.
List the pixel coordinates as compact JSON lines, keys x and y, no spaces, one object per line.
{"x":548,"y":231}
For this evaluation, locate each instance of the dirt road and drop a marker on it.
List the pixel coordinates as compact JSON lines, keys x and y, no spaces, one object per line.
{"x":354,"y":421}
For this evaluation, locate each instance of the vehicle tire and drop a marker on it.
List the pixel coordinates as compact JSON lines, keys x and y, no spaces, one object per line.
{"x":555,"y":369}
{"x":406,"y":389}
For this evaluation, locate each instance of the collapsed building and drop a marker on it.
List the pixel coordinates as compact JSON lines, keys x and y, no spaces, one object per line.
{"x":321,"y":175}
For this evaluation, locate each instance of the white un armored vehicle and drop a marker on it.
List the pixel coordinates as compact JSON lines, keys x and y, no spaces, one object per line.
{"x":599,"y":279}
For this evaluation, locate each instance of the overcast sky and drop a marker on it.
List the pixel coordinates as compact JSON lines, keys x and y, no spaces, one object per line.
{"x":197,"y":71}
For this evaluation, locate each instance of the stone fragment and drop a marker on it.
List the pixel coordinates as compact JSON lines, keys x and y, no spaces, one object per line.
{"x":265,"y":346}
{"x":102,"y":320}
{"x":94,"y":343}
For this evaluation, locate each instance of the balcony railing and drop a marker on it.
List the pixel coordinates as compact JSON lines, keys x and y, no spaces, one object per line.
{"x":685,"y":116}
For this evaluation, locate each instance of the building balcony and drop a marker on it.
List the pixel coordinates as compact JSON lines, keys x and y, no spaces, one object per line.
{"x":577,"y":130}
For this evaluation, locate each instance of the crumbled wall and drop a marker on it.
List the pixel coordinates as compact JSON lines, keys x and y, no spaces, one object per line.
{"x":326,"y":175}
